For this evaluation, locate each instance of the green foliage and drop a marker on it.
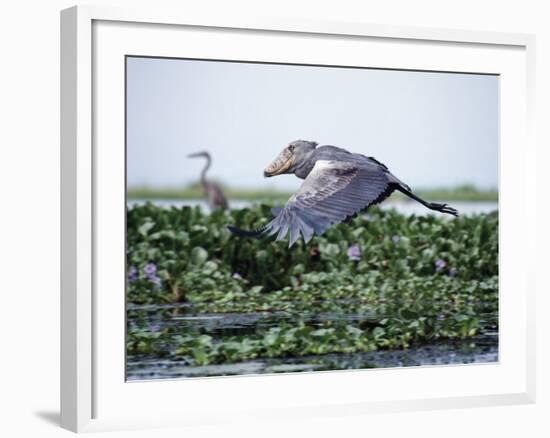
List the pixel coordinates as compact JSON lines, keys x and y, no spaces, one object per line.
{"x":416,"y":279}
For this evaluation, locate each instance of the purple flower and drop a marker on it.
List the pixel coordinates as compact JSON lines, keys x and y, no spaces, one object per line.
{"x":395,"y":239}
{"x":155,"y":327}
{"x":150,"y":273}
{"x":354,"y":253}
{"x":132,"y":274}
{"x":440,"y":265}
{"x":237,"y":276}
{"x":149,"y":269}
{"x":154,"y":279}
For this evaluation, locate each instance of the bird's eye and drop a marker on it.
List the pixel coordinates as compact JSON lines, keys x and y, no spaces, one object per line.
{"x":291,"y":148}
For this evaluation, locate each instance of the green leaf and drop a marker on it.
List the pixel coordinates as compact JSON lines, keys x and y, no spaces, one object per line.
{"x":330,"y":250}
{"x":145,"y":227}
{"x":210,"y":266}
{"x":198,"y":256}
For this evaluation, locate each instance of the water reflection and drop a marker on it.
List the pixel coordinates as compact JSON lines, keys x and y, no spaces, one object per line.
{"x":164,"y":318}
{"x":482,"y":349}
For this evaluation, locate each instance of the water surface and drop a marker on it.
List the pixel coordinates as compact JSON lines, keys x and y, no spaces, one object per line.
{"x":482,"y":348}
{"x":403,"y":207}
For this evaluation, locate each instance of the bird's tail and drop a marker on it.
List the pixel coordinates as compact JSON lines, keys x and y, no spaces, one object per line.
{"x":248,"y":233}
{"x":443,"y":208}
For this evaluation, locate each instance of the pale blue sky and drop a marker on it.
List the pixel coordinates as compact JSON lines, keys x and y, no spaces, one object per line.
{"x":430,"y":129}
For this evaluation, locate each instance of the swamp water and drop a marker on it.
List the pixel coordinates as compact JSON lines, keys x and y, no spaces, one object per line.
{"x":403,"y":207}
{"x":483,"y":348}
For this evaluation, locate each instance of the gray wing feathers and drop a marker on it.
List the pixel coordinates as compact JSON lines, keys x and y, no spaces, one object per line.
{"x":331,"y":193}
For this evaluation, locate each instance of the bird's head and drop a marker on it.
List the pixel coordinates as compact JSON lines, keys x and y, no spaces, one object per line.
{"x":202,"y":154}
{"x":290,"y":158}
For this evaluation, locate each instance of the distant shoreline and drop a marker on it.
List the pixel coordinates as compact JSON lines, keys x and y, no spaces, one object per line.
{"x":465,"y":193}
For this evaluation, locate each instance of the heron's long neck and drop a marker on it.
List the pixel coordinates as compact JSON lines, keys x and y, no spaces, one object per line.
{"x":205,"y":169}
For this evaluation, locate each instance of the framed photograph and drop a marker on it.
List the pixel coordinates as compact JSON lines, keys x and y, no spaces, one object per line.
{"x":284,"y":218}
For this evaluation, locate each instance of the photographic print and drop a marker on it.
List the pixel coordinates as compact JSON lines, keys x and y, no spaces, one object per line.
{"x":304,"y":218}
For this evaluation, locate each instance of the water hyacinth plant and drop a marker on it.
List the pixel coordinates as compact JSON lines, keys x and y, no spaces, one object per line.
{"x":385,"y":282}
{"x":354,"y":253}
{"x":440,"y":265}
{"x":132,"y":274}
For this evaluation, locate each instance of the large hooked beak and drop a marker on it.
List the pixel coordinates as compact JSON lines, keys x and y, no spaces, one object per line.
{"x":281,"y":164}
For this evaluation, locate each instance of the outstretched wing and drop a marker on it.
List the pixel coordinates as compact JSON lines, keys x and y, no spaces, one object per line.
{"x":332,"y":192}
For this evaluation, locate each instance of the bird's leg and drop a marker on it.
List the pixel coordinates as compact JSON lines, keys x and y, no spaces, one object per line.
{"x":443,"y":208}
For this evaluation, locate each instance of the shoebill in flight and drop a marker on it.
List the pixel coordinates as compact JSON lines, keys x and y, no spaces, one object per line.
{"x":337,"y":186}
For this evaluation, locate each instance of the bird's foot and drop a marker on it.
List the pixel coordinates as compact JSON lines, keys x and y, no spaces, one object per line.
{"x":444,"y":208}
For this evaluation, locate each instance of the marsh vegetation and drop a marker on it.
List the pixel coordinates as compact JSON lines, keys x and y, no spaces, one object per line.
{"x":384,"y":290}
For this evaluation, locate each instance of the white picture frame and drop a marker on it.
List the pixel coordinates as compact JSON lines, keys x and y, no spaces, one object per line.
{"x":93,"y":395}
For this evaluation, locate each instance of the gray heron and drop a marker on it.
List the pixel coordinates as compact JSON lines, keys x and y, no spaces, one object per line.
{"x":212,"y":191}
{"x":337,"y":186}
